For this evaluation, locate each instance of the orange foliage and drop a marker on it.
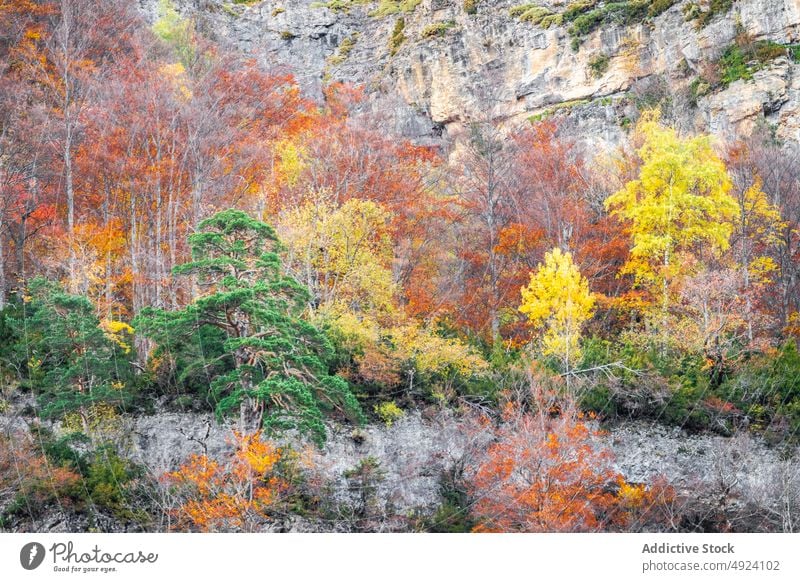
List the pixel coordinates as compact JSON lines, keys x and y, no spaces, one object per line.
{"x":548,"y":470}
{"x":29,"y":476}
{"x":543,"y":473}
{"x":236,"y":494}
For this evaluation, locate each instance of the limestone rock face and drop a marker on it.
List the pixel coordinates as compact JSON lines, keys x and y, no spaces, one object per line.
{"x":415,"y":452}
{"x":452,"y":66}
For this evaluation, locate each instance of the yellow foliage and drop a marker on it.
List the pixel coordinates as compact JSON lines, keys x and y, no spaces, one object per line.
{"x":118,"y":332}
{"x":631,"y":496}
{"x":389,"y":412}
{"x":93,"y":245}
{"x":98,"y":418}
{"x":432,"y":354}
{"x":558,"y":302}
{"x":352,"y":331}
{"x":680,"y":201}
{"x":759,"y":224}
{"x":291,"y":162}
{"x":258,"y":455}
{"x":343,"y":254}
{"x":175,"y":73}
{"x":236,"y":494}
{"x":793,"y":325}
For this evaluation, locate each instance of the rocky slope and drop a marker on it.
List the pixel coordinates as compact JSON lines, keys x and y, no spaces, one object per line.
{"x":739,"y":476}
{"x":415,"y":451}
{"x":445,"y":66}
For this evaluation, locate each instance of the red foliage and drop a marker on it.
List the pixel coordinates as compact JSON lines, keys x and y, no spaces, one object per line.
{"x":29,"y":479}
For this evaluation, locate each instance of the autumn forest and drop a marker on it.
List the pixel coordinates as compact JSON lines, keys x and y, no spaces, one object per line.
{"x":187,"y":235}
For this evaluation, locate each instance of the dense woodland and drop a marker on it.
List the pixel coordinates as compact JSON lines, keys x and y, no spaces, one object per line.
{"x":181,"y":228}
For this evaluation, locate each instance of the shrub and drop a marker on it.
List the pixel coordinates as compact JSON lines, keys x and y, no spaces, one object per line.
{"x":577,"y":8}
{"x":453,"y":515}
{"x":704,"y":17}
{"x":599,"y":65}
{"x":389,"y":413}
{"x":471,"y":6}
{"x":398,"y":37}
{"x":768,"y":390}
{"x":733,"y":66}
{"x":33,"y":484}
{"x":529,"y":13}
{"x":660,"y":6}
{"x":699,"y":88}
{"x":437,"y":29}
{"x":742,"y":59}
{"x":345,"y":48}
{"x":363,"y":481}
{"x":237,"y":494}
{"x":338,"y":5}
{"x":586,"y":16}
{"x":389,"y":7}
{"x":108,"y":481}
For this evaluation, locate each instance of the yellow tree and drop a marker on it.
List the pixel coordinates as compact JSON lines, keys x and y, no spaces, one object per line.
{"x":558,"y":302}
{"x":757,"y":229}
{"x":343,"y":254}
{"x":680,"y":203}
{"x":438,"y":360}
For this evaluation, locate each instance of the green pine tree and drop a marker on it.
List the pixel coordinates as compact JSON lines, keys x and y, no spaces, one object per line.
{"x":67,"y":358}
{"x":260,"y":357}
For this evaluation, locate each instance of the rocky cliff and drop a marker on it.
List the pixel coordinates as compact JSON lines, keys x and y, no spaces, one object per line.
{"x":741,"y":476}
{"x":438,"y":63}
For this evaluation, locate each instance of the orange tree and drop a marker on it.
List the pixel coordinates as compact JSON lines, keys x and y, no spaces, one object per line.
{"x":237,"y":493}
{"x":547,"y":470}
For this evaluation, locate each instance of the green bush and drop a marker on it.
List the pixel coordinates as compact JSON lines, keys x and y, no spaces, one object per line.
{"x":61,"y":348}
{"x":600,"y":400}
{"x":453,"y":515}
{"x":107,"y":479}
{"x":767,"y":390}
{"x":398,"y":36}
{"x":531,"y":13}
{"x":733,"y":66}
{"x":345,"y":48}
{"x":338,"y":5}
{"x":704,"y":17}
{"x":599,"y":65}
{"x":587,"y":16}
{"x":742,"y":59}
{"x":471,"y":6}
{"x":685,"y":409}
{"x":660,"y":6}
{"x":389,"y":7}
{"x":577,"y":8}
{"x":437,"y":29}
{"x":699,"y":88}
